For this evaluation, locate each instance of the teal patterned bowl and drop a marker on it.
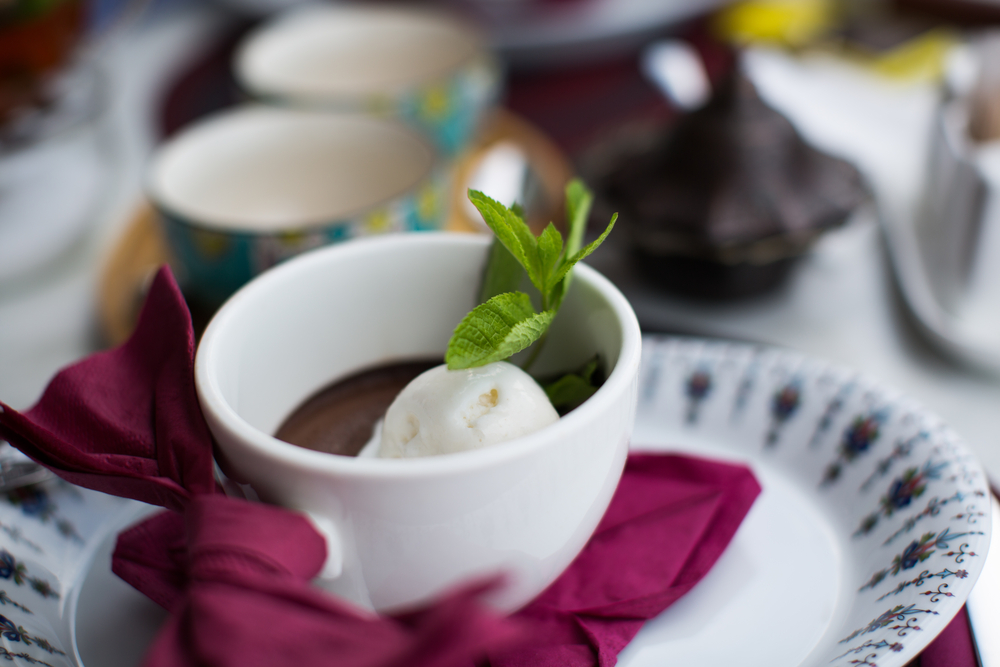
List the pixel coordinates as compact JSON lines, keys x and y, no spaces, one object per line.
{"x":248,"y":188}
{"x":425,"y":68}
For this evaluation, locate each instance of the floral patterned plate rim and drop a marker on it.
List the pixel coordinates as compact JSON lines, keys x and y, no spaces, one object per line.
{"x":871,"y":530}
{"x":49,"y":533}
{"x":869,"y":535}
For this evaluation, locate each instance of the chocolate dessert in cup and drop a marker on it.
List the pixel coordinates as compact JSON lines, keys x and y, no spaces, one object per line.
{"x":403,"y":531}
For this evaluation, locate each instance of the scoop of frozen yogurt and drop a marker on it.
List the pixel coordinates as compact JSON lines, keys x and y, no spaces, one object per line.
{"x":443,"y":411}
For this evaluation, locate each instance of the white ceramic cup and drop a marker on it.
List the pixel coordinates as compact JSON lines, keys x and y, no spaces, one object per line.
{"x":405,"y":530}
{"x":252,"y":186}
{"x":428,"y":68}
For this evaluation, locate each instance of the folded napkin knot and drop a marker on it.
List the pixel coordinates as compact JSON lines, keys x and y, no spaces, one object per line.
{"x":227,"y":536}
{"x":127,"y":421}
{"x":221,"y":540}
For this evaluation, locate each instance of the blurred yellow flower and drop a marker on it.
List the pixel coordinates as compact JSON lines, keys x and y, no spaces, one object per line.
{"x":781,"y":22}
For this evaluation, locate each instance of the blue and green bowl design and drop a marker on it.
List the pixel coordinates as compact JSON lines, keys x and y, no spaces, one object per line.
{"x":447,"y":111}
{"x":211,"y":263}
{"x":450,"y":111}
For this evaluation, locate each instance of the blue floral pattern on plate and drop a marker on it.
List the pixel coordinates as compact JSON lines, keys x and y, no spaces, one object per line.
{"x":48,"y":533}
{"x":908,"y":504}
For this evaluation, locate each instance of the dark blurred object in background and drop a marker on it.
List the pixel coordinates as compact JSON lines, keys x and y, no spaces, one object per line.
{"x":967,"y":12}
{"x":49,"y":70}
{"x":37,"y":37}
{"x":728,"y":198}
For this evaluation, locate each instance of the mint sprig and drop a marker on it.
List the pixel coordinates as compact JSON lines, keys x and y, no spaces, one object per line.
{"x":506,"y":322}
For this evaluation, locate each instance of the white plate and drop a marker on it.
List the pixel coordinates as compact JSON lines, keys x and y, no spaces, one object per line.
{"x":820,"y":572}
{"x":806,"y":581}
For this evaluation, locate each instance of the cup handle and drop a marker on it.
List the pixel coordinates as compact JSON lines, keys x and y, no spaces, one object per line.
{"x":341,"y":575}
{"x":334,"y":565}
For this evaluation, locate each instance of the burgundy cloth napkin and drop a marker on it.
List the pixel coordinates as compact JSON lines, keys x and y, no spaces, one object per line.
{"x":127,"y":421}
{"x":235,"y":575}
{"x":954,"y":647}
{"x":669,"y":521}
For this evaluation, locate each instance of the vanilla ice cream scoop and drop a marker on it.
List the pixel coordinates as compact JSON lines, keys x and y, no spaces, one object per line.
{"x":443,"y":411}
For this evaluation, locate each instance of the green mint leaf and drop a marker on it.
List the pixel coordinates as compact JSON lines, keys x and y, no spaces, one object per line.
{"x":572,"y":389}
{"x":578,"y":201}
{"x":590,"y":247}
{"x":512,"y":232}
{"x":550,"y":247}
{"x":496,"y":215}
{"x":503,"y":272}
{"x":561,"y":278}
{"x":568,"y":392}
{"x":533,"y":264}
{"x":587,"y":372}
{"x":495,"y":330}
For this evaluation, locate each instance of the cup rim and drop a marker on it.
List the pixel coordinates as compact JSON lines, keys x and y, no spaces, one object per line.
{"x":306,"y":460}
{"x":247,"y":82}
{"x":211,"y":124}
